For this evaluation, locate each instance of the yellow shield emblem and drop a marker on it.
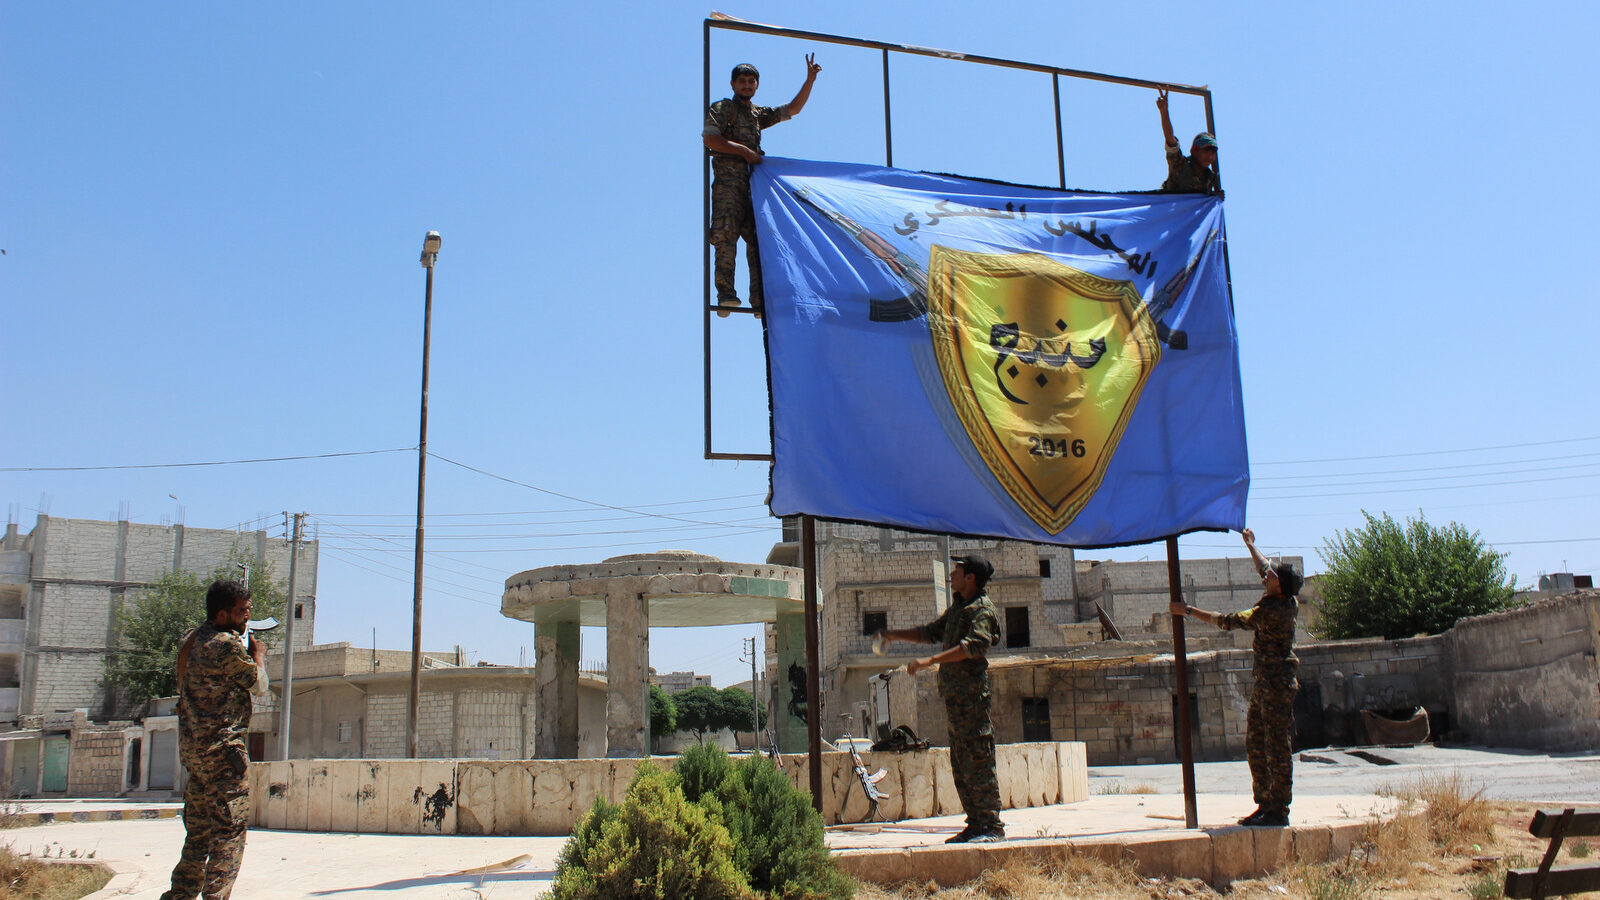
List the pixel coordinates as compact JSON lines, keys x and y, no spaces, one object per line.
{"x":1044,"y":365}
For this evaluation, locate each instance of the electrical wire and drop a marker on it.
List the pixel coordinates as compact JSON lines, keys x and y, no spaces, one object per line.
{"x":190,"y":465}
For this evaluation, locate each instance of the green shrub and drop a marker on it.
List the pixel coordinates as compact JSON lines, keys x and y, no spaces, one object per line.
{"x":655,"y":846}
{"x":701,"y":770}
{"x":777,"y":835}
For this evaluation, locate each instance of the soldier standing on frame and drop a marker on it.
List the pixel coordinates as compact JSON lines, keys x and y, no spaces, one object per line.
{"x":966,"y":631}
{"x":1269,"y":734}
{"x":732,"y":135}
{"x":217,"y":674}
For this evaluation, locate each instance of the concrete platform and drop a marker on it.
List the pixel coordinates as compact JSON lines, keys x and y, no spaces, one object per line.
{"x":1146,"y":828}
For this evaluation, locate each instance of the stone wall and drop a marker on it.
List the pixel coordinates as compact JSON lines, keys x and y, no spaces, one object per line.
{"x":550,"y":796}
{"x":1528,"y":677}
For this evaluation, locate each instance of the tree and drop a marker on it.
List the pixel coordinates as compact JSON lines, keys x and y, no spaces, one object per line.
{"x":153,"y":624}
{"x":1393,"y":581}
{"x":699,"y":710}
{"x":737,"y":705}
{"x":663,"y":714}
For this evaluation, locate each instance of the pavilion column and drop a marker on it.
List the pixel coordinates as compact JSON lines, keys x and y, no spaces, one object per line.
{"x":627,"y":674}
{"x":555,"y":674}
{"x":790,"y":682}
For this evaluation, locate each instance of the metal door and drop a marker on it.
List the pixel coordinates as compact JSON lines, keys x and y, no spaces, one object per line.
{"x":55,"y":765}
{"x":163,"y":760}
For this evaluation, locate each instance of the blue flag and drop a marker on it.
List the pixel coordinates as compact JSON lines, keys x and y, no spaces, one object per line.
{"x":959,"y":356}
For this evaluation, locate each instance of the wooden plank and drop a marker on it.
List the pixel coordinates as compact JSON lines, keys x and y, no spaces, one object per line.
{"x":1559,"y":880}
{"x":1583,"y":824}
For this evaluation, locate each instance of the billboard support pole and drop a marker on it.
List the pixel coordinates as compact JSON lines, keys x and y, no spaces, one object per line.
{"x":1180,"y":662}
{"x":808,"y":560}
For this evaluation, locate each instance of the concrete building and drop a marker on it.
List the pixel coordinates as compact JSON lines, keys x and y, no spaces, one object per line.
{"x":676,"y":682}
{"x":1050,"y":605}
{"x":62,"y":585}
{"x":353,"y":702}
{"x":1526,"y":678}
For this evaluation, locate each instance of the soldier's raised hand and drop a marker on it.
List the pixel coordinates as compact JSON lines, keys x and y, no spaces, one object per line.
{"x":1161,"y":99}
{"x":812,"y":67}
{"x":1249,"y":536}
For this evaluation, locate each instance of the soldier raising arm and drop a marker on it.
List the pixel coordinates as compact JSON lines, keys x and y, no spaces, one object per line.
{"x":732,"y":135}
{"x":1269,"y":723}
{"x":1195,"y":173}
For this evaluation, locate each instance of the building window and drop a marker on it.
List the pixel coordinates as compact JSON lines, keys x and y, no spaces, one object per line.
{"x":299,"y":610}
{"x":1044,"y":568}
{"x":872,"y":622}
{"x":1016,"y":626}
{"x":1036,"y":719}
{"x":347,"y":732}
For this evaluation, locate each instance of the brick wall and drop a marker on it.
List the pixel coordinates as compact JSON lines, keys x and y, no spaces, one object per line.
{"x":96,"y":762}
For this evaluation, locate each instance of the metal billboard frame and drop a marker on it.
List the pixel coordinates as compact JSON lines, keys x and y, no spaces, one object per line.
{"x":725,"y":23}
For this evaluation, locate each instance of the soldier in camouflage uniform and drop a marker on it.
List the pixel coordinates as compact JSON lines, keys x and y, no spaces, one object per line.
{"x":1195,"y":173}
{"x":732,"y":135}
{"x":966,"y":631}
{"x":216,"y":678}
{"x":1269,"y":731}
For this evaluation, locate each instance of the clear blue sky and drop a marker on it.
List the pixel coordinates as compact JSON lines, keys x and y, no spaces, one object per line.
{"x":212,"y":213}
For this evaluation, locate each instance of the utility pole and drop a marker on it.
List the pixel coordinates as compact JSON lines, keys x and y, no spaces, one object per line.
{"x":755,"y":703}
{"x":430,"y":255}
{"x":285,"y":706}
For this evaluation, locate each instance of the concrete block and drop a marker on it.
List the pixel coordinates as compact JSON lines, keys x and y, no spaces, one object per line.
{"x":279,"y":787}
{"x":1233,"y":854}
{"x":298,"y":797}
{"x":256,"y":782}
{"x":475,"y":797}
{"x":1274,"y":847}
{"x":319,"y":796}
{"x":405,"y":808}
{"x":945,"y":800}
{"x":917,"y":785}
{"x":1180,"y":855}
{"x":342,"y":786}
{"x":1312,"y":843}
{"x":1344,"y":836}
{"x":440,"y":792}
{"x":893,"y":784}
{"x":513,"y":798}
{"x":372,"y":796}
{"x":550,"y":811}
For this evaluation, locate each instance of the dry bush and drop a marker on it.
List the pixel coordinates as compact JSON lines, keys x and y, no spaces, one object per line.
{"x":1123,"y":787}
{"x":24,"y":876}
{"x":1457,"y":816}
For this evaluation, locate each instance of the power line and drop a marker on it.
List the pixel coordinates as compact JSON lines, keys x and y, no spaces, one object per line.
{"x":1300,"y":462}
{"x":1294,"y":487}
{"x":1443,"y":487}
{"x":534,"y":487}
{"x":1434,"y":468}
{"x":190,"y":465}
{"x":527,"y":512}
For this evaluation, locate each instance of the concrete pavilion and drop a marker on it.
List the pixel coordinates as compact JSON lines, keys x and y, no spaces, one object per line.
{"x":627,"y":595}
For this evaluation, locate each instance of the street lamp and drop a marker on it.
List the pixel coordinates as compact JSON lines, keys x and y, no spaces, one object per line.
{"x":430,"y":253}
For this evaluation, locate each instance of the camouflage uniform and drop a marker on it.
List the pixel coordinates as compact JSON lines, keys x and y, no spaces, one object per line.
{"x":732,"y":216}
{"x":964,"y":686}
{"x":213,"y":719}
{"x":1269,"y":732}
{"x":1184,"y":175}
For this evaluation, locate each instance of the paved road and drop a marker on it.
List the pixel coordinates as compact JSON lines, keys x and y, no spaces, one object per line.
{"x":283,"y":864}
{"x":1508,"y":775}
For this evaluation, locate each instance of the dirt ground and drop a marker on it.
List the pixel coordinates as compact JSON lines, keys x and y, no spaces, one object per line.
{"x":1460,"y":847}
